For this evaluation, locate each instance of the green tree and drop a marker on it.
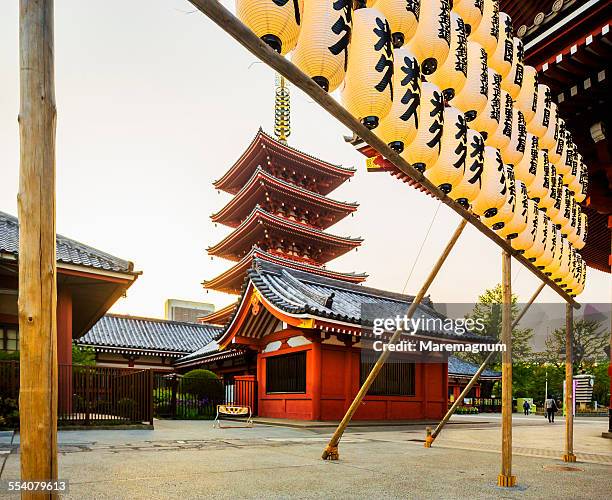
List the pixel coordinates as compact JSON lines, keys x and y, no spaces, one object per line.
{"x":84,"y":356}
{"x":488,"y":312}
{"x":601,"y":387}
{"x":588,"y":344}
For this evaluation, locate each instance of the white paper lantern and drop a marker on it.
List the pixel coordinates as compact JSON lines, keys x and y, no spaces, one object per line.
{"x":403,"y":17}
{"x":398,"y":129}
{"x":493,"y":187}
{"x":487,"y":121}
{"x":556,"y":184}
{"x":424,"y":150}
{"x":582,"y":231}
{"x":500,"y":138}
{"x":487,"y":33}
{"x":525,"y":170}
{"x":573,"y":234}
{"x":540,"y":121}
{"x":568,"y":214}
{"x":472,"y":98}
{"x":506,"y":213}
{"x":518,"y":223}
{"x":276,"y":23}
{"x":570,"y":178}
{"x":554,"y":153}
{"x":538,"y":189}
{"x":513,"y":81}
{"x":431,"y":41}
{"x":322,"y":47}
{"x":448,"y":170}
{"x":452,"y":74}
{"x":560,"y":202}
{"x":514,"y":151}
{"x":553,"y":266}
{"x":471,"y":12}
{"x":368,"y":89}
{"x":550,"y":185}
{"x":468,"y":187}
{"x":550,"y":240}
{"x":537,"y":249}
{"x":565,"y":262}
{"x":564,"y":164}
{"x":576,"y":173}
{"x":501,"y":59}
{"x":548,"y":140}
{"x":583,"y":180}
{"x":527,"y":100}
{"x":526,"y":238}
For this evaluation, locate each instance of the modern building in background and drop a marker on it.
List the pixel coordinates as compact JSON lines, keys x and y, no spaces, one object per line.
{"x":186,"y":311}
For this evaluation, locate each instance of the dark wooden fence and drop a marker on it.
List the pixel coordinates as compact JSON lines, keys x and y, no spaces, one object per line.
{"x":177,"y":397}
{"x":89,"y":395}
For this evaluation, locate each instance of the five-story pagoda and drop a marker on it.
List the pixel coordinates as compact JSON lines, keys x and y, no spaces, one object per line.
{"x":280,"y":211}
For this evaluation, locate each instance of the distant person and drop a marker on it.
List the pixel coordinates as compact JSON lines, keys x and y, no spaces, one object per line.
{"x":551,"y":408}
{"x":526,"y":407}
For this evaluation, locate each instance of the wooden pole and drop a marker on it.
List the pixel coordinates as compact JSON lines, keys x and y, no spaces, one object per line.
{"x":569,"y":456}
{"x":331,"y":451}
{"x":505,"y":477}
{"x":243,"y":35}
{"x":37,"y":265}
{"x":431,"y":437}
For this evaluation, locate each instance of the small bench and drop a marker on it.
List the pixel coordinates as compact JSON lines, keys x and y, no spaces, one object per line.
{"x":233,"y":411}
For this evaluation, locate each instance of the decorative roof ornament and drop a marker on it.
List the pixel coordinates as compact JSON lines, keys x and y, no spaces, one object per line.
{"x":282,"y":110}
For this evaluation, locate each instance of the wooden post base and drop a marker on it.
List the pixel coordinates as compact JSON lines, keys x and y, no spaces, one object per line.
{"x":569,"y":457}
{"x":506,"y":481}
{"x":428,"y":438}
{"x":330,"y":453}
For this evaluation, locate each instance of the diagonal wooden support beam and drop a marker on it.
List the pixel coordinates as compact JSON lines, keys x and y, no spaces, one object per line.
{"x":331,"y":451}
{"x":432,"y":437}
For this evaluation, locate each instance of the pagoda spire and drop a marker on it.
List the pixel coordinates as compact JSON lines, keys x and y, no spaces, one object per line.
{"x":282,"y":110}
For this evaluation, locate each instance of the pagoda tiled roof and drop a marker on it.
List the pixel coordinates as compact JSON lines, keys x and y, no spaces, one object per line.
{"x":231,"y":281}
{"x":239,"y":173}
{"x":305,"y":295}
{"x":261,"y":179}
{"x":464,"y":369}
{"x":259,"y":216}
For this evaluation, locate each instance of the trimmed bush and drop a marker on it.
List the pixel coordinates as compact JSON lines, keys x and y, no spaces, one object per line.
{"x":203,"y":384}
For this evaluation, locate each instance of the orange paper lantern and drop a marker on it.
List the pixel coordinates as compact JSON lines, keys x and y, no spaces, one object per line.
{"x":500,"y":138}
{"x":493,"y":189}
{"x":468,"y":187}
{"x":527,"y":100}
{"x":514,"y":151}
{"x":501,"y":59}
{"x":472,"y":98}
{"x":513,"y":81}
{"x":487,"y":33}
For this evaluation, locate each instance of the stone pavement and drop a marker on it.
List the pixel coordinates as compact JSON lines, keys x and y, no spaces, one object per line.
{"x":190,"y":459}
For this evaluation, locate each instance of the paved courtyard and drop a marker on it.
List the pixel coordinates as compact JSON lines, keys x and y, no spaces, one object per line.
{"x":189,"y":459}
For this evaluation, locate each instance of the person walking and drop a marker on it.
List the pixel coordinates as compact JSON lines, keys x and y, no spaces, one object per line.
{"x":526,"y":407}
{"x":551,"y":408}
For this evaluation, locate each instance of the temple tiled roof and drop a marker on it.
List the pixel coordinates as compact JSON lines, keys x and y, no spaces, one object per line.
{"x":304,"y":294}
{"x":460,"y":368}
{"x":68,"y":251}
{"x":117,"y":332}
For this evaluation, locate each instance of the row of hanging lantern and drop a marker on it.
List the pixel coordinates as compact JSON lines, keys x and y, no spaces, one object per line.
{"x":446,"y":88}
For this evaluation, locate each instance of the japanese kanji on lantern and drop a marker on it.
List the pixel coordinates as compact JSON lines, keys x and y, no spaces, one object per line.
{"x":368,"y":87}
{"x":431,"y":40}
{"x":518,"y":223}
{"x":513,"y":81}
{"x":538,"y":188}
{"x":403,"y":17}
{"x":554,"y":154}
{"x":487,"y":121}
{"x":398,"y":129}
{"x":550,"y":241}
{"x":527,"y":100}
{"x":553,"y":266}
{"x":452,"y":74}
{"x":447,"y":171}
{"x":425,"y":149}
{"x":487,"y":33}
{"x":468,"y":187}
{"x":537,"y":249}
{"x":493,"y":188}
{"x":472,"y":98}
{"x":322,"y":46}
{"x":501,"y":59}
{"x":526,"y":238}
{"x":525,"y":170}
{"x":276,"y":22}
{"x":539,"y":123}
{"x":549,"y":140}
{"x":500,"y":138}
{"x":515,"y":149}
{"x":470,"y":11}
{"x":505,"y":214}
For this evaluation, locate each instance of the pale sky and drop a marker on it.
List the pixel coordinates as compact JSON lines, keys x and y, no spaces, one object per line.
{"x":155,"y":103}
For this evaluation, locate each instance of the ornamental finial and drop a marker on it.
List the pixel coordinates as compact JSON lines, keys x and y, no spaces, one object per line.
{"x":282,"y":110}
